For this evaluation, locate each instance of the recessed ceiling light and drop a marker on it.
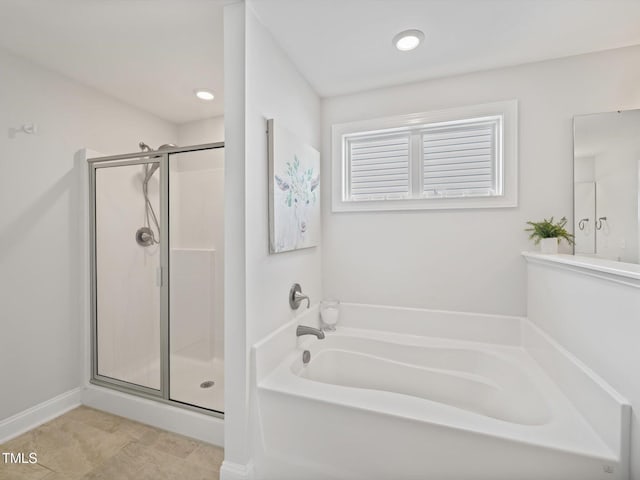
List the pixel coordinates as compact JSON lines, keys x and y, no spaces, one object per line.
{"x":204,"y":94}
{"x":408,"y":40}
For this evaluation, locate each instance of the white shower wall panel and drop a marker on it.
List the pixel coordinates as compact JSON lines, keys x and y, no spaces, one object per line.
{"x":197,"y":225}
{"x":199,"y":208}
{"x":192,"y":302}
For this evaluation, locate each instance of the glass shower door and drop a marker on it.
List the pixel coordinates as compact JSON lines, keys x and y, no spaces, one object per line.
{"x":196,"y":256}
{"x":128,"y":273}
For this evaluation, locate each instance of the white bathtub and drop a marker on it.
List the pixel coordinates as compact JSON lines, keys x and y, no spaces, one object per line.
{"x":471,"y":379}
{"x":431,"y":402}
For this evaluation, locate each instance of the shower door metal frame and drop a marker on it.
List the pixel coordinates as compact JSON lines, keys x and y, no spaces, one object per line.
{"x":140,"y":158}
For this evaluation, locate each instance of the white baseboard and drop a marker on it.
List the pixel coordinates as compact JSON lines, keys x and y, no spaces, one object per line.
{"x":33,"y":417}
{"x":167,"y":417}
{"x":160,"y":415}
{"x":236,"y":471}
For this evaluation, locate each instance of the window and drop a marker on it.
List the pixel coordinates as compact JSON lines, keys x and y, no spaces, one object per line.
{"x":461,"y":158}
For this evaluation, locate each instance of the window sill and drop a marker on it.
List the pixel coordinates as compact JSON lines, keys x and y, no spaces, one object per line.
{"x":450,"y":203}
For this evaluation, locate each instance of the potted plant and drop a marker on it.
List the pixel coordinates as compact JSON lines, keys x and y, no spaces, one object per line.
{"x":549,"y":233}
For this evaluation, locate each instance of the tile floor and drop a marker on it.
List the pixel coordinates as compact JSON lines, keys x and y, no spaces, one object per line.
{"x":89,"y":444}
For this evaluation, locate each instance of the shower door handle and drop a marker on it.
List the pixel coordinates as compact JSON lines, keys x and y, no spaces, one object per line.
{"x":159,"y":277}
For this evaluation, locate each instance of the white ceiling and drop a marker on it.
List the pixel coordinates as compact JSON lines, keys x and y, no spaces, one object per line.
{"x":153,"y":53}
{"x":344,"y":46}
{"x":149,"y":53}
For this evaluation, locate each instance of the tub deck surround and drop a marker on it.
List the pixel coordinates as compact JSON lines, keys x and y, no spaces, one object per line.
{"x":619,"y":272}
{"x":506,"y":397}
{"x":593,"y":313}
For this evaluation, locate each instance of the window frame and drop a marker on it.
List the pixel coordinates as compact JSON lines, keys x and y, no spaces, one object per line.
{"x":507,"y":144}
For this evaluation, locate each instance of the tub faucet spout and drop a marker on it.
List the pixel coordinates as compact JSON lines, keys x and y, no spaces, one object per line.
{"x":304,"y":330}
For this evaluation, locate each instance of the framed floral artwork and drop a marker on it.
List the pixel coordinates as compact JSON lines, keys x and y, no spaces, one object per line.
{"x":294,"y":191}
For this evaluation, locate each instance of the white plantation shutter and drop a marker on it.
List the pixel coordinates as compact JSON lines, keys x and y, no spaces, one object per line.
{"x":378,"y":167}
{"x":461,"y":159}
{"x":465,"y":157}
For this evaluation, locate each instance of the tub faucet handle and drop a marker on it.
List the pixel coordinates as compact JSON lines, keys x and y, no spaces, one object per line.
{"x":296,"y":297}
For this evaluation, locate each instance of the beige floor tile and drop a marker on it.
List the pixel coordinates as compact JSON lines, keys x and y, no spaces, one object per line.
{"x":138,"y":432}
{"x":176,"y":445}
{"x":177,"y":470}
{"x":143,"y":454}
{"x":206,"y":456}
{"x":124,"y":465}
{"x":73,"y":447}
{"x":63,"y":476}
{"x":22,"y":472}
{"x":86,"y":444}
{"x":182,"y":469}
{"x":95,"y":418}
{"x":14,"y":445}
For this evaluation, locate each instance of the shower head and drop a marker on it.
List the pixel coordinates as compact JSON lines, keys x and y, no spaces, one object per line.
{"x":167,"y":146}
{"x":146,"y":148}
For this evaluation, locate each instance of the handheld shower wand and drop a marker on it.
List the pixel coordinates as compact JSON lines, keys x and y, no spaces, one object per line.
{"x":144,"y":147}
{"x":146,"y":236}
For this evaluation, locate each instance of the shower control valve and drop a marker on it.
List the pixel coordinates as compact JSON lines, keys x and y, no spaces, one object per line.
{"x":296,"y":297}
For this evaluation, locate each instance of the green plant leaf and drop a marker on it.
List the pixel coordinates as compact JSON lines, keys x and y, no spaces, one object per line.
{"x":549,"y":229}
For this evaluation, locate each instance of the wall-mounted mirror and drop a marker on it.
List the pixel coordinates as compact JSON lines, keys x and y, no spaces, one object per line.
{"x":606,"y":185}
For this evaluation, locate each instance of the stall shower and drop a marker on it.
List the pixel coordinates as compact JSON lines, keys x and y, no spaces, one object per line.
{"x":157,"y":250}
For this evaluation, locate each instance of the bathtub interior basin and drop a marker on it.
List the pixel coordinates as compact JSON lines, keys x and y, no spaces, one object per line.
{"x":464,"y":378}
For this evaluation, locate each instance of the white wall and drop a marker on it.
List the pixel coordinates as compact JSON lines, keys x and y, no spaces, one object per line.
{"x":40,"y":268}
{"x":208,"y":130}
{"x":470,"y":260}
{"x":235,"y":326}
{"x":273,"y":88}
{"x":596,"y":319}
